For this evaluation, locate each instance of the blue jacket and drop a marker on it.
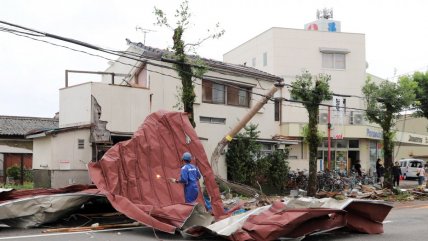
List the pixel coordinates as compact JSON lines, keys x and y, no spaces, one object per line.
{"x":190,"y":176}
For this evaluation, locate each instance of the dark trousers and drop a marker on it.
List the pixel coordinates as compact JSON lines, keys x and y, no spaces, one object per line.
{"x":396,"y":180}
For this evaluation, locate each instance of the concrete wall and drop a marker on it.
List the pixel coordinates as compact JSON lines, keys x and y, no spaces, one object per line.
{"x":59,"y":178}
{"x":75,"y":105}
{"x":60,"y":153}
{"x":62,"y":178}
{"x":125,"y":108}
{"x":42,"y":152}
{"x":42,"y":178}
{"x":292,"y":50}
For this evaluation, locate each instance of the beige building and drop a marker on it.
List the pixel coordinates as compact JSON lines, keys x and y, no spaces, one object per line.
{"x":414,"y":142}
{"x":321,"y":48}
{"x":95,"y":115}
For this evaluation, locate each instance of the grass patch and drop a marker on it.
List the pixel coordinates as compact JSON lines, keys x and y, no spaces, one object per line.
{"x":27,"y":185}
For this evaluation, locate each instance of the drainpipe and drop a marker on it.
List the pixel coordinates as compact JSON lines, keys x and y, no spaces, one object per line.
{"x":329,"y":139}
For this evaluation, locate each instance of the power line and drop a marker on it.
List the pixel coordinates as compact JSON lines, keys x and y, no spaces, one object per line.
{"x":133,"y":56}
{"x":125,"y":54}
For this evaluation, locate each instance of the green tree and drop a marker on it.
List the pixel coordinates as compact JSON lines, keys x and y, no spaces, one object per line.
{"x":312,"y":94}
{"x":385,"y":101}
{"x":186,"y":67}
{"x":278,"y":169}
{"x":242,"y":156}
{"x":421,"y":92}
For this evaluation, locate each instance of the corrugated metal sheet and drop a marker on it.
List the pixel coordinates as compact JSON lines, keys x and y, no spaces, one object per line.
{"x":134,"y":174}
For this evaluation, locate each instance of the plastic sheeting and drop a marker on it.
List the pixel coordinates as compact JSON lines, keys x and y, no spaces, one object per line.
{"x":134,"y":174}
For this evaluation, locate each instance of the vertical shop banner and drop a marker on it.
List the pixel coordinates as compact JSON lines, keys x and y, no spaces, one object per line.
{"x":338,"y":117}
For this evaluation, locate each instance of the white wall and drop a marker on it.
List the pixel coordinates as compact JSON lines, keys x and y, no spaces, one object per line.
{"x":75,"y":105}
{"x":125,"y":108}
{"x":60,"y":151}
{"x":294,"y":50}
{"x":42,"y":152}
{"x":65,"y":150}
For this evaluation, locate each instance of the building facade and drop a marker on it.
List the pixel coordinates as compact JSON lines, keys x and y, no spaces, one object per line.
{"x":94,"y":116}
{"x":321,"y":48}
{"x":15,"y":149}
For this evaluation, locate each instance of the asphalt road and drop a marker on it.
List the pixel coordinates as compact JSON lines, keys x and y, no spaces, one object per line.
{"x":406,"y":221}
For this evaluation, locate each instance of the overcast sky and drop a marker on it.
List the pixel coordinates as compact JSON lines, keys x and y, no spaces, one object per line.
{"x":31,"y":72}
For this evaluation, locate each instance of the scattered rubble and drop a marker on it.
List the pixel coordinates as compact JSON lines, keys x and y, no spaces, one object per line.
{"x":133,"y":177}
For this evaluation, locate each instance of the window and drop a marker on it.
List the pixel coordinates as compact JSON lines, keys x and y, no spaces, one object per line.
{"x":266,"y":149}
{"x":333,"y":60}
{"x":277,"y":110}
{"x":354,"y":144}
{"x":80,"y":144}
{"x":264,"y":59}
{"x":342,"y":143}
{"x":212,"y":92}
{"x":217,"y":93}
{"x":212,"y":120}
{"x":253,"y":61}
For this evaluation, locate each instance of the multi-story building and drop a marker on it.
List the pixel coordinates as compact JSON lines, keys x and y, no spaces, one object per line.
{"x":321,"y":48}
{"x":95,"y":115}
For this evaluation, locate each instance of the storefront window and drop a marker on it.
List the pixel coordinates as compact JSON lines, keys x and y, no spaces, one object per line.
{"x":342,"y":143}
{"x":354,"y":144}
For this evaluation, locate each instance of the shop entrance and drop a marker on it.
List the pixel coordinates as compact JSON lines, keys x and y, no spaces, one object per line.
{"x":353,"y":156}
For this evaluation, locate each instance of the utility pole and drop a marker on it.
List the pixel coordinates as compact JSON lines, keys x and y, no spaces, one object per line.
{"x":145,"y":31}
{"x":229,"y":136}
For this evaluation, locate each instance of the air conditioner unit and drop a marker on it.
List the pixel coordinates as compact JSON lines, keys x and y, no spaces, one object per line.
{"x":323,"y":118}
{"x":356,"y":119}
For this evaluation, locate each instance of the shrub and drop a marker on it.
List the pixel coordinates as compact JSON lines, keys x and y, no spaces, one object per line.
{"x":14,"y":172}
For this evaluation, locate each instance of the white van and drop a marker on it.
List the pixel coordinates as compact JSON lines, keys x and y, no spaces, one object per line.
{"x":409,"y":167}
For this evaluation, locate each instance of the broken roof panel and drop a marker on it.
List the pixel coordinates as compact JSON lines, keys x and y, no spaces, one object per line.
{"x":134,"y":174}
{"x":32,"y":208}
{"x":299,"y":217}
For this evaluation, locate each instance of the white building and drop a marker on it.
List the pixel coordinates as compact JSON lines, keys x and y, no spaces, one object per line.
{"x":321,"y":48}
{"x":95,"y":115}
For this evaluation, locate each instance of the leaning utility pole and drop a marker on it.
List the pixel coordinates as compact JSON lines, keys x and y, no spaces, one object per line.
{"x":229,"y":136}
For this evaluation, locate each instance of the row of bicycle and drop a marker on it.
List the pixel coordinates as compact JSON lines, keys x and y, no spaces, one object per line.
{"x":328,"y":181}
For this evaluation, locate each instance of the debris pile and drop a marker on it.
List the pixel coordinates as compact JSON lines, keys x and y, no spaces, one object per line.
{"x":133,"y":176}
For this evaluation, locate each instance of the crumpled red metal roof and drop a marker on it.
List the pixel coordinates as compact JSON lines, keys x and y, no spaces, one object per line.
{"x":278,"y":221}
{"x":134,"y":174}
{"x":19,"y":194}
{"x":299,"y":217}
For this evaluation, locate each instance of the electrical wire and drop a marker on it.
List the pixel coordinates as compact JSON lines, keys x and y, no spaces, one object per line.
{"x":133,"y":56}
{"x":126,"y":54}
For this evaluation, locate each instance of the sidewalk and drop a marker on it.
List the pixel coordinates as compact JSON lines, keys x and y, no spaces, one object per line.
{"x":408,"y":184}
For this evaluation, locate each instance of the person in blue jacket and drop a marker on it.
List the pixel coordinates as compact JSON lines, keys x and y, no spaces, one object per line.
{"x":189,"y":176}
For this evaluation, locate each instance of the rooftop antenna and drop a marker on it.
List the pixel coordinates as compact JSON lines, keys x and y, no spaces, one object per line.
{"x":325,"y":13}
{"x":145,"y":31}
